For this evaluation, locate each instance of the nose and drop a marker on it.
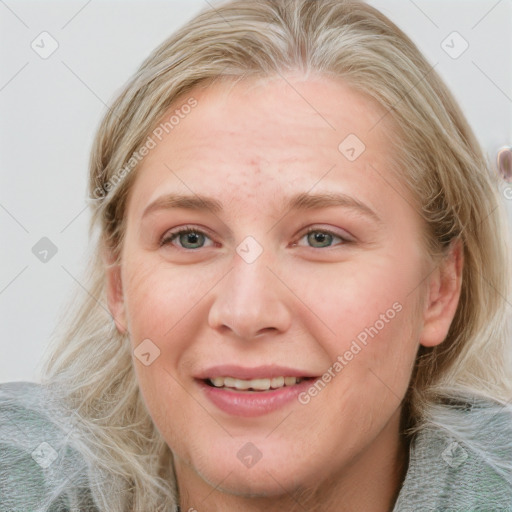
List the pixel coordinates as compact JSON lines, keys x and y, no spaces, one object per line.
{"x":250,"y":301}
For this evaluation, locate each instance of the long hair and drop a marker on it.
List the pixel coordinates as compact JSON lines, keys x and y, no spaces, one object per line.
{"x":437,"y":156}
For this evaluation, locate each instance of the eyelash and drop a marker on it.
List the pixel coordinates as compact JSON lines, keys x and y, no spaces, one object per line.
{"x":170,"y":236}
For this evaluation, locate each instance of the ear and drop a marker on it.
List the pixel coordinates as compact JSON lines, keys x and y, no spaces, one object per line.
{"x":443,"y":293}
{"x":114,"y":285}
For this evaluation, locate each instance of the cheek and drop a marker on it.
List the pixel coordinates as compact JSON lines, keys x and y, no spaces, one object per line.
{"x":160,"y":305}
{"x":356,"y":295}
{"x":371,"y":310}
{"x":158,"y":297}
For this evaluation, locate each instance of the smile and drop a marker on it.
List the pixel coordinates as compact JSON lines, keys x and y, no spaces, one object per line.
{"x":249,"y":392}
{"x":259,"y":384}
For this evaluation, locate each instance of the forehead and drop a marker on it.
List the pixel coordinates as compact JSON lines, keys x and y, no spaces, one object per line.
{"x":280,"y":112}
{"x":269,"y":135}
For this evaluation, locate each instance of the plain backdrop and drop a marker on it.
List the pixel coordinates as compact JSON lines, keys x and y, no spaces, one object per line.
{"x":50,"y":108}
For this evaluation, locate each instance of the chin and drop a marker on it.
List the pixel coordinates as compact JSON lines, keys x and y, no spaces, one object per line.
{"x":266,"y":471}
{"x":253,"y":483}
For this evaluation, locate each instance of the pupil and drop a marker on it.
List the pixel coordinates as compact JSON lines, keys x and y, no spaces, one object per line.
{"x":191,"y":238}
{"x":321,"y":237}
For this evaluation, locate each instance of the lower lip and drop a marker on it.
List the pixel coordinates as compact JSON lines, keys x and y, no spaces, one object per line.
{"x":253,"y":403}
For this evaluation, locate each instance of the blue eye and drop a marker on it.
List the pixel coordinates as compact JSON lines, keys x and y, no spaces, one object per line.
{"x":186,"y":236}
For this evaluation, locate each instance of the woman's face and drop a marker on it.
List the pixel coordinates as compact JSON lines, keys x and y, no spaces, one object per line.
{"x":249,"y":299}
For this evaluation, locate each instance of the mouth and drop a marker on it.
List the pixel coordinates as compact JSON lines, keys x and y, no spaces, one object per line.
{"x":258,"y":385}
{"x":250,"y":392}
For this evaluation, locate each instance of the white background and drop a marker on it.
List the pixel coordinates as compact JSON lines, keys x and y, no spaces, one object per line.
{"x":50,"y":108}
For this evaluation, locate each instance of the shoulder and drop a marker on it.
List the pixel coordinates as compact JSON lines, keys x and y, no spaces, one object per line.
{"x":461,"y":459}
{"x":38,"y":467}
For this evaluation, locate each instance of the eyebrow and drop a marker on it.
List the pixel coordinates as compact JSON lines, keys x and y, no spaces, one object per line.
{"x":299,"y":202}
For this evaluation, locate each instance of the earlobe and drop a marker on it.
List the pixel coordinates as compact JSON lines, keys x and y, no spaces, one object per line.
{"x":114,"y":288}
{"x":443,"y":295}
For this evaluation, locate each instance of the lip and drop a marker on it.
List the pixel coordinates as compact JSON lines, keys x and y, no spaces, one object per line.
{"x":255,"y":372}
{"x":250,"y":404}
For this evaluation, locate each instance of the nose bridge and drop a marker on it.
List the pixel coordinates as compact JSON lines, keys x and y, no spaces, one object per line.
{"x":250,"y":299}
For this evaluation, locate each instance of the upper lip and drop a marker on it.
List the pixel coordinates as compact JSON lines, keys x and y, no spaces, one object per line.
{"x":254,"y":372}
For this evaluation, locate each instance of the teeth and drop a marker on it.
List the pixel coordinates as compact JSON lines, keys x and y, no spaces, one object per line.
{"x":255,"y":384}
{"x":277,"y":382}
{"x":218,"y":382}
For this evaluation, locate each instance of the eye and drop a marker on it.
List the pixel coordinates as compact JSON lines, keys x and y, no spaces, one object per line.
{"x":189,"y":238}
{"x":320,"y":238}
{"x":192,"y":238}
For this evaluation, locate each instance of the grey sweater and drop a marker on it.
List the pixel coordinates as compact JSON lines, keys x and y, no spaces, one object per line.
{"x":460,"y":462}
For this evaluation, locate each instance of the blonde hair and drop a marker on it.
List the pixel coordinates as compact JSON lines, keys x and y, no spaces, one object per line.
{"x":439,"y":159}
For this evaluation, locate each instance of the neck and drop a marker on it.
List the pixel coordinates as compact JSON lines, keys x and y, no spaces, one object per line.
{"x":370,"y":483}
